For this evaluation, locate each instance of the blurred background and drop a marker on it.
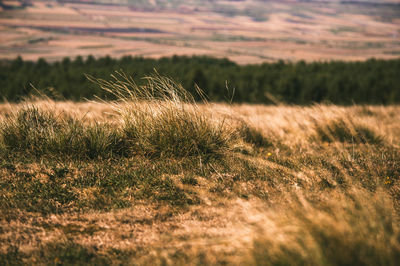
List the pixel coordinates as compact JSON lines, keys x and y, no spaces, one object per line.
{"x":245,"y":31}
{"x":299,"y":52}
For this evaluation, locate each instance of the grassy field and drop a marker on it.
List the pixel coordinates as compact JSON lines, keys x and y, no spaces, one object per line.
{"x":250,"y":31}
{"x":157,"y":179}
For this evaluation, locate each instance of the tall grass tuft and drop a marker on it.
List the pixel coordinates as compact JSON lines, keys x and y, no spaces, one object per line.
{"x":31,"y":130}
{"x":39,"y":132}
{"x":347,"y":131}
{"x":162,"y":119}
{"x":252,"y":135}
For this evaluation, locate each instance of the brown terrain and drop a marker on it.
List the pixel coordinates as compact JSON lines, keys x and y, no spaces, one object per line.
{"x":308,"y":197}
{"x":156,"y":178}
{"x":247,"y":31}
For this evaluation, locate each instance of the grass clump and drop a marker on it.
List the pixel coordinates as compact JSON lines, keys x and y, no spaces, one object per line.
{"x":252,"y":135}
{"x":346,"y":131}
{"x":36,"y":131}
{"x":174,"y":131}
{"x":101,"y":140}
{"x":162,"y":119}
{"x":30,"y":130}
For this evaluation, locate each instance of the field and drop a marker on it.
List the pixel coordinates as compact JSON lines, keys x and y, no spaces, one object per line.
{"x":157,"y":179}
{"x":116,"y":171}
{"x":244,"y":31}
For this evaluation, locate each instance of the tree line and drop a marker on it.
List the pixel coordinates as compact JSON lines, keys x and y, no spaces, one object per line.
{"x":369,"y":82}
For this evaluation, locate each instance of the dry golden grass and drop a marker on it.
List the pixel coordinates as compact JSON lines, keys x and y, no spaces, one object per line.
{"x":156,"y":178}
{"x":310,"y":194}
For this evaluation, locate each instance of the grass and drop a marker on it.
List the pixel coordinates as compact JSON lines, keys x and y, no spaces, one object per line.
{"x":40,"y":132}
{"x":162,"y":118}
{"x":159,"y":119}
{"x":345,"y":130}
{"x":155,"y":178}
{"x":343,"y":230}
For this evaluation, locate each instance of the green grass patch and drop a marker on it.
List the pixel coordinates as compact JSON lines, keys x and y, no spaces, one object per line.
{"x":39,"y":132}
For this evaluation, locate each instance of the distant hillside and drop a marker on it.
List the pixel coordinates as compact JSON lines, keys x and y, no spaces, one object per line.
{"x":251,"y":31}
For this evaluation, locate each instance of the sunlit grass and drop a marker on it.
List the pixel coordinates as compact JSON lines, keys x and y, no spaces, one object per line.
{"x":156,"y":178}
